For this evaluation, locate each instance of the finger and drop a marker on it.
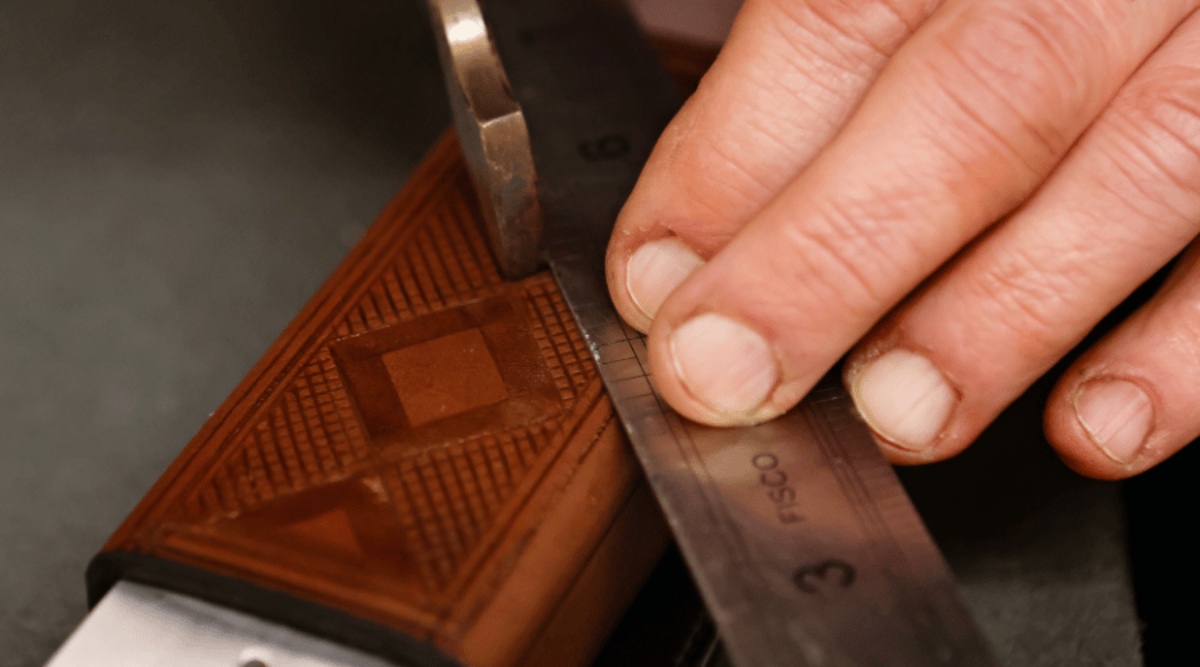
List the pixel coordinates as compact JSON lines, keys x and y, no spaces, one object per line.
{"x":787,"y":78}
{"x":971,"y":114}
{"x":1132,"y":401}
{"x":1118,"y":208}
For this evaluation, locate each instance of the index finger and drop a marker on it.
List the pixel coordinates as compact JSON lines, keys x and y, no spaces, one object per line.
{"x":969,"y":117}
{"x":789,"y":75}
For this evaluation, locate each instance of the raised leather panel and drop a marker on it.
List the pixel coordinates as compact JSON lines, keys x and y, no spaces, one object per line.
{"x":427,"y":448}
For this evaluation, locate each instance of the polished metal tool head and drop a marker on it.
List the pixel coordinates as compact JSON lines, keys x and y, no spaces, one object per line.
{"x":492,"y":132}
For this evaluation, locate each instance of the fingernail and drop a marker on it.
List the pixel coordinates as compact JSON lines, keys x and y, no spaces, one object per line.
{"x":726,"y":365}
{"x":656,"y":269}
{"x":904,"y":398}
{"x":1117,"y":415}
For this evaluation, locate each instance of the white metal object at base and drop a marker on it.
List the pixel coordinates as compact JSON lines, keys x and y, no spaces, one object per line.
{"x":142,"y":626}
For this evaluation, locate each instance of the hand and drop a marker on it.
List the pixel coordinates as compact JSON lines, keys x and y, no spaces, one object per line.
{"x":954,"y":191}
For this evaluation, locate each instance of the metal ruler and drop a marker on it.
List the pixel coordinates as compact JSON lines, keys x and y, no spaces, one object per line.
{"x":797,"y":532}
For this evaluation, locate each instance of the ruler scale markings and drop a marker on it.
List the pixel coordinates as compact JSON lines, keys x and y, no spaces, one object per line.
{"x":891,"y":551}
{"x":688,"y":451}
{"x":888,"y":550}
{"x":837,"y":569}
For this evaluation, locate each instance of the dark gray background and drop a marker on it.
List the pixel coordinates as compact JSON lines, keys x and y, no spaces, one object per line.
{"x":178,"y":176}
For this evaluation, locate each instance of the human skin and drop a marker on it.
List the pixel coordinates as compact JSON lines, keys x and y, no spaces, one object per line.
{"x":954,"y":192}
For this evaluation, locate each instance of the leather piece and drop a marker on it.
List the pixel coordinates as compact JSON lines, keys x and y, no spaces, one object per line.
{"x":407,"y":453}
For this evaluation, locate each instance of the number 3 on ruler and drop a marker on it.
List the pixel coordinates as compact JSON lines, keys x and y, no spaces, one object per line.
{"x":812,"y":579}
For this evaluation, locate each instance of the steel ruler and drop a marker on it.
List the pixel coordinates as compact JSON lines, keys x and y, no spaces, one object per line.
{"x":801,"y":540}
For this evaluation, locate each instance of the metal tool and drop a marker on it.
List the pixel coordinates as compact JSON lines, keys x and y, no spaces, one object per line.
{"x":492,"y":134}
{"x":137,"y":624}
{"x":798,"y":533}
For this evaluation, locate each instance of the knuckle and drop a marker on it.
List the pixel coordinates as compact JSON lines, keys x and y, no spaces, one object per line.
{"x":1012,"y":71}
{"x":1181,"y":335}
{"x":1025,"y":303}
{"x":1184,"y":340}
{"x":716,"y":175}
{"x":851,"y":34}
{"x":719,"y":172}
{"x":1158,"y":120}
{"x":851,"y":252}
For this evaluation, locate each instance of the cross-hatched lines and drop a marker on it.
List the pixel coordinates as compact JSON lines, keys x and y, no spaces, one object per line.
{"x":447,"y":495}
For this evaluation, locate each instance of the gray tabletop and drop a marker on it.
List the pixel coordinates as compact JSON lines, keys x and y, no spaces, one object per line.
{"x":176,"y":178}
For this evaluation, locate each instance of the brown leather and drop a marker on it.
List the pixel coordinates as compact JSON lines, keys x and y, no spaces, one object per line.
{"x":425,"y":459}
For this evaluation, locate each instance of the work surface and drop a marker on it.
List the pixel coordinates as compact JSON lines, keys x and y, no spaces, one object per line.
{"x":177,"y":178}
